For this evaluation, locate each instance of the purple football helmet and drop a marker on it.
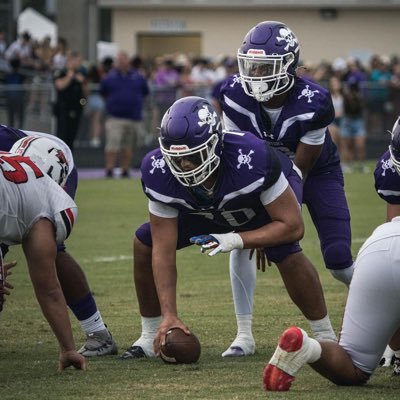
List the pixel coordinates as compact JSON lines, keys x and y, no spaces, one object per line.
{"x":191,"y":129}
{"x":268,"y":60}
{"x":394,"y":146}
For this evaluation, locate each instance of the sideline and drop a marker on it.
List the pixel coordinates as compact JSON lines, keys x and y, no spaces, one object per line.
{"x":99,"y":173}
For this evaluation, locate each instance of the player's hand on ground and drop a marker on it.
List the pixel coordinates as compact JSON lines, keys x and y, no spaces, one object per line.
{"x":167,"y":323}
{"x":8,"y":266}
{"x":7,"y":272}
{"x":72,"y":359}
{"x":218,"y":243}
{"x":261,"y":259}
{"x":5,"y":286}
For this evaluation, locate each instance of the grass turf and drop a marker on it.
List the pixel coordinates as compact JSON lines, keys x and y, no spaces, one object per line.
{"x":109,"y":213}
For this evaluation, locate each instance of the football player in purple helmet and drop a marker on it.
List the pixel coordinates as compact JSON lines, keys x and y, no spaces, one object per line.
{"x":387,"y":185}
{"x":292,"y":114}
{"x":267,"y":60}
{"x":200,"y":180}
{"x":387,"y":174}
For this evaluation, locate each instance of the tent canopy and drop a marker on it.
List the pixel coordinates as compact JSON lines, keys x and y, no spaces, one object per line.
{"x":37,"y":25}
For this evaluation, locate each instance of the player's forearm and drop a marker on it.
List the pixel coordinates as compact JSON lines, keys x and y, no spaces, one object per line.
{"x":40,"y":251}
{"x":165,"y":278}
{"x":306,"y":156}
{"x":54,"y":309}
{"x":274,"y":234}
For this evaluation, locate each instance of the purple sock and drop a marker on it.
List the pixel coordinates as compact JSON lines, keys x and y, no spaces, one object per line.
{"x":84,"y":308}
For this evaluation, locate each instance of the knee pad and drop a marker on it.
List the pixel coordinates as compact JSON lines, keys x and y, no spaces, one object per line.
{"x":337,"y":255}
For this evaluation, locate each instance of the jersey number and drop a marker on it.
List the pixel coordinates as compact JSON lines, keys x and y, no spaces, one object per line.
{"x":233,"y":217}
{"x":13,"y":169}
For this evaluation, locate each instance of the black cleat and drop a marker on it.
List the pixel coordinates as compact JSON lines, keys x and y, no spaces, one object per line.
{"x":387,"y":361}
{"x":133,"y":352}
{"x":396,"y":366}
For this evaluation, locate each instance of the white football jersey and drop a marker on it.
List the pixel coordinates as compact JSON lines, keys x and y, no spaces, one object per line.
{"x":26,"y":195}
{"x":372,"y":313}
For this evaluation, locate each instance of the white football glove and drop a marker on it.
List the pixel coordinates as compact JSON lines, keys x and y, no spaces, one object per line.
{"x":218,"y":242}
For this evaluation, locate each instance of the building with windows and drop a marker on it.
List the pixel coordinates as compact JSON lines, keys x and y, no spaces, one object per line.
{"x":326,"y":29}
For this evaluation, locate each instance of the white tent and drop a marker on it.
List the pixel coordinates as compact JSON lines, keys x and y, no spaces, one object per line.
{"x":37,"y":25}
{"x":106,"y":49}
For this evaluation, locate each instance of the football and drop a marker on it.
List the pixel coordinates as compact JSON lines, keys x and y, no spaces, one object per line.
{"x":180,"y":348}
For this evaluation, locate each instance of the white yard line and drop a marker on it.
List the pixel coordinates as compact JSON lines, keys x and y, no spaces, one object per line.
{"x":129,"y":258}
{"x":108,"y":259}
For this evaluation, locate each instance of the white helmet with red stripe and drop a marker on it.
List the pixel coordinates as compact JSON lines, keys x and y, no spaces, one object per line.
{"x":46,"y":154}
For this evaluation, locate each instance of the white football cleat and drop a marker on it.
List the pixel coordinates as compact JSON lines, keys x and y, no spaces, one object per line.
{"x":240,"y":347}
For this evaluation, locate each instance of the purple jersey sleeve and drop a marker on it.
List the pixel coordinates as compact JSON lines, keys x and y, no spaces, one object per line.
{"x":308,"y":107}
{"x":387,"y":180}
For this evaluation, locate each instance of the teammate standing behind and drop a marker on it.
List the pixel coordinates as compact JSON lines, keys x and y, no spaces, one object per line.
{"x":292,"y":114}
{"x":37,"y":213}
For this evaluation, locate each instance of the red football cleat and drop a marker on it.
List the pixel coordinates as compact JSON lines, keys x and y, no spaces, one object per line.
{"x":290,"y":355}
{"x":276,"y":380}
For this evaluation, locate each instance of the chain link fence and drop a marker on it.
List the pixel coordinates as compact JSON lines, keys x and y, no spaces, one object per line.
{"x":29,"y":107}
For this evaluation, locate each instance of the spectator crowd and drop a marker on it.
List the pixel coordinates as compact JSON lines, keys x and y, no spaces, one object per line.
{"x":366,"y":95}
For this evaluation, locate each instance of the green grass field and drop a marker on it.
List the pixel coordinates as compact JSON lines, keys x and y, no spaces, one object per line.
{"x":109,"y":213}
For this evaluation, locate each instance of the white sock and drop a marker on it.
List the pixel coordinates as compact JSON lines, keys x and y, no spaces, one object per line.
{"x":93,"y":324}
{"x":243,"y":281}
{"x":397,"y":353}
{"x":149,"y":330}
{"x":343,"y":275}
{"x":244,"y":324}
{"x":315,"y":350}
{"x":244,"y":338}
{"x":388,"y":352}
{"x":322,"y":329}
